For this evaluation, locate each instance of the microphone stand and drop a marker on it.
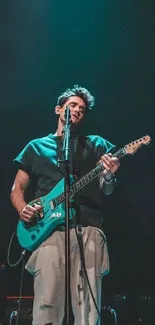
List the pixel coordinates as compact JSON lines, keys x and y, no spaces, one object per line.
{"x":66,"y":159}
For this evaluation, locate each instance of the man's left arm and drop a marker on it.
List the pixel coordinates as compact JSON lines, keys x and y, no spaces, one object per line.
{"x":107,"y":178}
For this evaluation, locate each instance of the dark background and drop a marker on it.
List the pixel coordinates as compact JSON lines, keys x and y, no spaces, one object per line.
{"x":108,"y":47}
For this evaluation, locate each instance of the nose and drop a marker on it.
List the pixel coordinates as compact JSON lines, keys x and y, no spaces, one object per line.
{"x":76,"y":109}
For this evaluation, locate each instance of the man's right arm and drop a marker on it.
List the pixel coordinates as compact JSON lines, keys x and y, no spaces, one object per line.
{"x":18,"y":189}
{"x":25,"y":211}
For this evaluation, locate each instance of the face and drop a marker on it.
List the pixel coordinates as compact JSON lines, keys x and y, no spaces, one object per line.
{"x":77,"y":109}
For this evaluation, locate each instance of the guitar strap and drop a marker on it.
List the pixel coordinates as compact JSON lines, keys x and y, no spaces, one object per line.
{"x":77,"y":149}
{"x":78,"y":154}
{"x":77,"y":146}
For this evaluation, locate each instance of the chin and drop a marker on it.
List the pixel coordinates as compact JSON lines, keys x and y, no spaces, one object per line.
{"x":75,"y":121}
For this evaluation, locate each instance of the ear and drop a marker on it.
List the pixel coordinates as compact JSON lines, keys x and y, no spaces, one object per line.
{"x":57,"y":109}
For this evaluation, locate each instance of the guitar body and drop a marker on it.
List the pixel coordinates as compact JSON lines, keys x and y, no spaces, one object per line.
{"x":31,"y":235}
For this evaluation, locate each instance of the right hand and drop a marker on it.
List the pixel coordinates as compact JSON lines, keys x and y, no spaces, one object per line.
{"x":29,"y":212}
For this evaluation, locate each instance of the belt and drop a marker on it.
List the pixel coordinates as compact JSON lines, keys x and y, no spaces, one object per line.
{"x":62,"y":227}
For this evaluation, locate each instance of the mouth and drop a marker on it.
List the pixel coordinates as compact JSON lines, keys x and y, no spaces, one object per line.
{"x":75,"y":116}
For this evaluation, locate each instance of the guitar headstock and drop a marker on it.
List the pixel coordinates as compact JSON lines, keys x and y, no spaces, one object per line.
{"x":133,"y":146}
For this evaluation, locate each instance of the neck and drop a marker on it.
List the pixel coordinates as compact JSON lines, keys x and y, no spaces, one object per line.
{"x":60,"y":128}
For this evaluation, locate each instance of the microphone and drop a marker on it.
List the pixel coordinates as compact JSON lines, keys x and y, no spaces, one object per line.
{"x":67,"y":114}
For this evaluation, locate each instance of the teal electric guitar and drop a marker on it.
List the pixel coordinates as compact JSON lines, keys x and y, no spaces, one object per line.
{"x":31,"y":235}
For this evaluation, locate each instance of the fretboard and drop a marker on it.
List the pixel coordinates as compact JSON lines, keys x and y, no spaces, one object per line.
{"x":92,"y":174}
{"x":78,"y":185}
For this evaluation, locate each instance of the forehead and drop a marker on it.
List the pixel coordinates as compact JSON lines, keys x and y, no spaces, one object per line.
{"x":76,"y":99}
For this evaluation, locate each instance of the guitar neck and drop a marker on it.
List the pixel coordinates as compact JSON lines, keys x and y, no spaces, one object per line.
{"x":130,"y":148}
{"x":78,"y":185}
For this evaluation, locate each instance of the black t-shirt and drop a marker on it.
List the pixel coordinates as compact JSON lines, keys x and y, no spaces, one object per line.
{"x":40,"y":160}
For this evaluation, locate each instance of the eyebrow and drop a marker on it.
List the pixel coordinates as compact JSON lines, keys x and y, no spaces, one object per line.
{"x":73,"y":102}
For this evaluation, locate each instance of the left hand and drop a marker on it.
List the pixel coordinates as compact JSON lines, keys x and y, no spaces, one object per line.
{"x":110,"y":163}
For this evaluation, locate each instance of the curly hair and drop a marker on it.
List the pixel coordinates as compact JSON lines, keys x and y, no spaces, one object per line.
{"x":81,"y":92}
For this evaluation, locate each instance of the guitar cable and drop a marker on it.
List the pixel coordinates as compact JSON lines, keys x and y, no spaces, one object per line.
{"x":8,"y":253}
{"x":16,"y":313}
{"x":21,"y":258}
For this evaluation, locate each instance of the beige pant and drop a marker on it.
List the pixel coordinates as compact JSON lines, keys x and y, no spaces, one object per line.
{"x":47,"y":264}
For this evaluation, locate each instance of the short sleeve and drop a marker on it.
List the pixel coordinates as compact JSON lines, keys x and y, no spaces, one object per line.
{"x":104,"y":147}
{"x":25,"y":160}
{"x":101,"y":146}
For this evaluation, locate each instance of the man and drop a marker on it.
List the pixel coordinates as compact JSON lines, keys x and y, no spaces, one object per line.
{"x":39,"y":161}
